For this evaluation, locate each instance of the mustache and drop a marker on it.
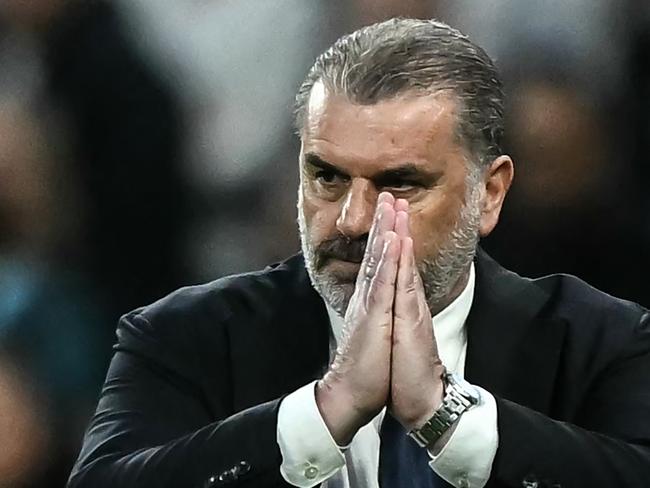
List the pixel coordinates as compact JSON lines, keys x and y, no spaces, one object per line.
{"x":340,"y":247}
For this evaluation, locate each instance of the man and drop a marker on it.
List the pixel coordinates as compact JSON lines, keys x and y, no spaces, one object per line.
{"x":401,"y":172}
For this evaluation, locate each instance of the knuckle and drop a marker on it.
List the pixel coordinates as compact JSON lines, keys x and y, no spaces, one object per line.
{"x":373,"y":300}
{"x":378,"y":303}
{"x":368,"y":279}
{"x":370,"y":270}
{"x":401,"y":316}
{"x":411,"y":289}
{"x":380,"y":281}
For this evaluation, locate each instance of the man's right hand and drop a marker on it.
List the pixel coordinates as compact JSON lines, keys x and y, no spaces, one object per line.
{"x":357,"y":385}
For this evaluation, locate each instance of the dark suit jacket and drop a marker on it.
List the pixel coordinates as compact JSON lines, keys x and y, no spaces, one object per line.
{"x":193,"y":390}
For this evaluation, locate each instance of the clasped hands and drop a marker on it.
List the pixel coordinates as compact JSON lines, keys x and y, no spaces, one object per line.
{"x":388,"y":356}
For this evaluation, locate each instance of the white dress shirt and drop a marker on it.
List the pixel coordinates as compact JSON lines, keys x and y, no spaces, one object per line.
{"x":311,"y":456}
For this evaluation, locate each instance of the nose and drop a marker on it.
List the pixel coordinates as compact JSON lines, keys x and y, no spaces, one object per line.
{"x":358,"y":209}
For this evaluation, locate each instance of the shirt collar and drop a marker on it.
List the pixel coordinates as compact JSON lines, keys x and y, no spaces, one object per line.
{"x":449,"y":326}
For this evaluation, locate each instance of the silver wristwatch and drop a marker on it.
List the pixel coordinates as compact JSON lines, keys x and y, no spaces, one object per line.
{"x":460,"y":396}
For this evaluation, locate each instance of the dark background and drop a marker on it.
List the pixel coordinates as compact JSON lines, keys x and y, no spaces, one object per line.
{"x":147,"y":144}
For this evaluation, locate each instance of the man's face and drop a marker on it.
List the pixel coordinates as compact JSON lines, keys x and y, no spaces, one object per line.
{"x":407,"y":146}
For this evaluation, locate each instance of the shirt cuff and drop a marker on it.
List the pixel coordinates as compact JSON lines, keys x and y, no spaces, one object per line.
{"x":309,"y":453}
{"x":466,"y":459}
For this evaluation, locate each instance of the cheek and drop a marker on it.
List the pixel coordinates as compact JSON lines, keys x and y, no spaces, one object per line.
{"x":320,"y":218}
{"x":432,"y":222}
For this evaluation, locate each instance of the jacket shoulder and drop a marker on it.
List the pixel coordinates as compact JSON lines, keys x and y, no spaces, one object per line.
{"x":596,"y":320}
{"x":572,"y":298}
{"x":197,"y":314}
{"x":224,"y":297}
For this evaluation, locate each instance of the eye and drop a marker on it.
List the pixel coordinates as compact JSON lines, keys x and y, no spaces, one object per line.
{"x":328,"y":178}
{"x":401,"y":185}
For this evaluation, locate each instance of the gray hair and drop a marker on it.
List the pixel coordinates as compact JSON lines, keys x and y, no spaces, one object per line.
{"x":388,"y":59}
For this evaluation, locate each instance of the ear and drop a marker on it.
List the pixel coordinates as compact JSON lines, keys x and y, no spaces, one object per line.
{"x":498,"y":178}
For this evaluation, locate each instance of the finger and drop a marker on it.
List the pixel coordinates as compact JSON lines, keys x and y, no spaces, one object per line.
{"x":386,"y":196}
{"x":384,"y":221}
{"x":381,"y":292}
{"x":413,"y":337}
{"x":408,"y":290}
{"x":402,"y":224}
{"x":401,"y":204}
{"x":384,"y":201}
{"x":407,"y":285}
{"x":381,"y":221}
{"x":412,"y":318}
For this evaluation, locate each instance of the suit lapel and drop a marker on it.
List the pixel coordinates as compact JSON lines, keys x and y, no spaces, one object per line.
{"x":307,"y":328}
{"x":280,"y":341}
{"x":512,"y":350}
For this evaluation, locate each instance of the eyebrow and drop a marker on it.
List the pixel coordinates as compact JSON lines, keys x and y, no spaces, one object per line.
{"x":404,"y":171}
{"x":315,"y":160}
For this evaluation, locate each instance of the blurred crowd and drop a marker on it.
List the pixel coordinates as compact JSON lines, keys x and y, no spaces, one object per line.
{"x":148,"y":144}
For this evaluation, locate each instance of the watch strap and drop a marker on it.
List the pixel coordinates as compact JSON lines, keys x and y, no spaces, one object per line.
{"x":459,"y":397}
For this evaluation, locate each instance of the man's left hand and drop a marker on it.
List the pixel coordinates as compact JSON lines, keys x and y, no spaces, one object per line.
{"x":417,"y":388}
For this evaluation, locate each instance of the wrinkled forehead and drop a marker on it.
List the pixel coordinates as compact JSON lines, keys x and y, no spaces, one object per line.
{"x":416,"y":123}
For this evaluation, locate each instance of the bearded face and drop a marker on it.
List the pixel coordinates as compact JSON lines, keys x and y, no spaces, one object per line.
{"x":407,"y":146}
{"x":441,"y":273}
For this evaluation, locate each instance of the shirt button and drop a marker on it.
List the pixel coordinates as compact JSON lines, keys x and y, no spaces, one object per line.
{"x":242,"y":468}
{"x":530,"y":482}
{"x":311,"y":472}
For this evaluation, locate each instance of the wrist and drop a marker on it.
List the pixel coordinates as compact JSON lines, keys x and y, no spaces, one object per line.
{"x":434,"y":401}
{"x":431,"y":398}
{"x":339,"y":416}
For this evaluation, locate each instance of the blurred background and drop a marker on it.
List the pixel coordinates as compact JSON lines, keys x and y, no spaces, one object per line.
{"x":147,"y":144}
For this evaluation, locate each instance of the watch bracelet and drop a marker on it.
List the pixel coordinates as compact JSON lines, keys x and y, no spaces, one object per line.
{"x":453,"y":406}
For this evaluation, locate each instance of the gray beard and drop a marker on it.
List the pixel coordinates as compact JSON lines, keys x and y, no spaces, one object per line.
{"x":440,"y":274}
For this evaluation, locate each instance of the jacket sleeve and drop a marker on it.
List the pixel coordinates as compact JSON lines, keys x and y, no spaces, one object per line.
{"x":606,"y":444}
{"x":154,"y":426}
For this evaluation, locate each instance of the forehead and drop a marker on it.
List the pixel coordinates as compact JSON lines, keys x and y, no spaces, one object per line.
{"x":411,"y":126}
